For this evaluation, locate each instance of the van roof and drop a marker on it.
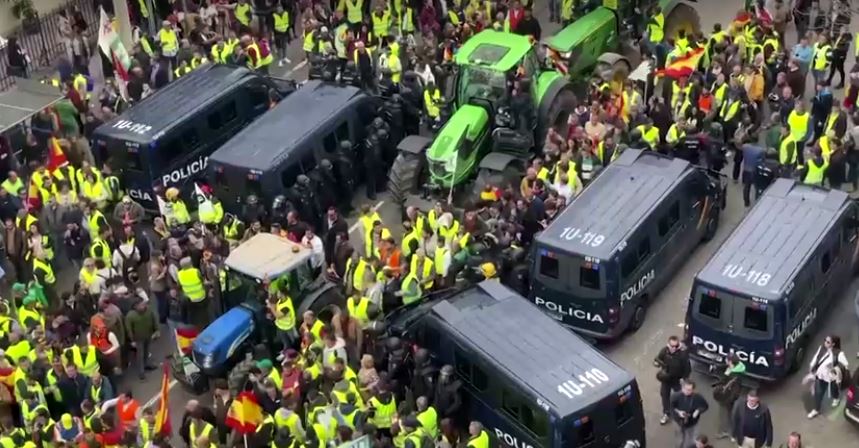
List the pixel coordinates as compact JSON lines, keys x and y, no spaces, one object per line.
{"x":534,"y":351}
{"x":267,"y":255}
{"x":776,"y":238}
{"x":176,"y":101}
{"x":615,"y":203}
{"x":269,"y":139}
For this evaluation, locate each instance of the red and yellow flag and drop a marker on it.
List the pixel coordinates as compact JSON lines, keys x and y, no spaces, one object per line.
{"x":184,"y":338}
{"x":683,"y":66}
{"x":162,"y":417}
{"x":245,"y":413}
{"x":56,"y":156}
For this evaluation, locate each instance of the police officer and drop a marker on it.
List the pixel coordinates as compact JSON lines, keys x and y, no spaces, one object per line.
{"x":447,"y":397}
{"x":325,"y":185}
{"x":767,"y":171}
{"x":309,"y":207}
{"x":373,"y":165}
{"x":344,"y":166}
{"x":253,"y":210}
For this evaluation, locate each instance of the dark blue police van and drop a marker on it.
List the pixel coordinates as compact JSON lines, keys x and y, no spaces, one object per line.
{"x":764,"y":292}
{"x":600,"y":263}
{"x":531,"y":382}
{"x":165,"y":140}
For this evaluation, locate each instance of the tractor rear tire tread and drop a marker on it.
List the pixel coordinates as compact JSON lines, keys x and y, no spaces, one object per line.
{"x":404,"y":176}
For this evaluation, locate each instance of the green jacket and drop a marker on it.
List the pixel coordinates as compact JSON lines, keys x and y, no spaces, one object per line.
{"x":140,"y":326}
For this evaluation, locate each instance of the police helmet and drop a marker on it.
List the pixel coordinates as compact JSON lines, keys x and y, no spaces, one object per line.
{"x":382,"y":134}
{"x":393,"y":343}
{"x":635,"y":135}
{"x":302,"y":180}
{"x":277,"y":203}
{"x":252,"y":199}
{"x":326,"y":164}
{"x":346,"y":145}
{"x":378,"y":122}
{"x":422,"y":355}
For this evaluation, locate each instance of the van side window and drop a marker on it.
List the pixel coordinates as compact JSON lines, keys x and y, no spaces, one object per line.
{"x":366,"y":113}
{"x":756,"y":319}
{"x":472,"y":374}
{"x":632,"y":259}
{"x":223,"y":116}
{"x":550,"y":267}
{"x":710,"y":306}
{"x":169,"y":152}
{"x":589,"y":277}
{"x":667,"y":222}
{"x":514,"y":406}
{"x":343,"y":131}
{"x":825,"y":262}
{"x":308,"y":163}
{"x":329,"y":143}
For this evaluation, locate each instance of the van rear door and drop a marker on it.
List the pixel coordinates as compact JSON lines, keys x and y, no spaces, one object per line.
{"x":611,"y":422}
{"x":572,"y":289}
{"x":722,"y":323}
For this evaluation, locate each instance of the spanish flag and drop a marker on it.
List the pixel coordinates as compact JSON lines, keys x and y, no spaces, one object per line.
{"x":56,"y":156}
{"x":683,"y":66}
{"x":162,"y":417}
{"x":245,"y":413}
{"x":184,"y":338}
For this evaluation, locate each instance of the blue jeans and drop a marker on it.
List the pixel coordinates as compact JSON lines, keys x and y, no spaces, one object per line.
{"x":820,"y":389}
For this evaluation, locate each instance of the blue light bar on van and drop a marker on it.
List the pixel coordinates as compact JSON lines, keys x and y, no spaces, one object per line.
{"x":758,"y":306}
{"x":581,"y":421}
{"x":591,"y":266}
{"x":253,"y":176}
{"x":548,"y":253}
{"x":152,"y":144}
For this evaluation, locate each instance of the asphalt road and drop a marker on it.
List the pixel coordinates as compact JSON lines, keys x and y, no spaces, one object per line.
{"x":634,"y":352}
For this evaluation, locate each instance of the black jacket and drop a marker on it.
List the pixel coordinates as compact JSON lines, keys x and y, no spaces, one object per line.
{"x":755,"y":423}
{"x":688,"y":404}
{"x":330,"y":235}
{"x":675,"y":366}
{"x":74,"y":391}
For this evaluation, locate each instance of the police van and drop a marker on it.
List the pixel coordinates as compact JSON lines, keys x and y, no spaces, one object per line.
{"x":764,"y":292}
{"x":600,"y":263}
{"x":165,"y":140}
{"x":266,"y":157}
{"x":529,"y":381}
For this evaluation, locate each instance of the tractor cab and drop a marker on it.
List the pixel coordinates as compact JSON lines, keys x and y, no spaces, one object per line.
{"x":264,"y":261}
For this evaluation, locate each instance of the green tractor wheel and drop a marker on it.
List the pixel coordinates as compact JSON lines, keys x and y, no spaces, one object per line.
{"x":555,"y":112}
{"x":682,"y":17}
{"x":405,"y":175}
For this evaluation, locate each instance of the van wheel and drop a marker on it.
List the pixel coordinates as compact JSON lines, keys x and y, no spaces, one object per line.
{"x":405,"y":175}
{"x":712,"y":224}
{"x":798,"y":358}
{"x":637,"y":318}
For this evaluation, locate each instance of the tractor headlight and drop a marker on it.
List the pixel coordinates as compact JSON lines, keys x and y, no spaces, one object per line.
{"x":208,"y":361}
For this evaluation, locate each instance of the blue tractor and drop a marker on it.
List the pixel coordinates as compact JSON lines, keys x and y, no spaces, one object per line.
{"x":245,"y":322}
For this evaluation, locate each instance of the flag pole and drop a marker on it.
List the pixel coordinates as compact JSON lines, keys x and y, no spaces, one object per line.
{"x":245,"y":436}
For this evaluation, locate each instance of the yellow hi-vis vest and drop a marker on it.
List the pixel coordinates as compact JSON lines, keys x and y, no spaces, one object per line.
{"x":105,"y":251}
{"x":145,"y":429}
{"x":243,"y":15}
{"x":396,"y":68}
{"x":820,"y":60}
{"x":431,"y":102}
{"x":359,"y":273}
{"x":192,"y":284}
{"x":381,"y":24}
{"x":285,"y":322}
{"x":86,"y":366}
{"x":407,"y":25}
{"x":46,"y":268}
{"x":384,"y":414}
{"x":815,"y":173}
{"x":785,"y":157}
{"x":411,"y":289}
{"x":799,"y":126}
{"x":674,"y":134}
{"x":424,"y":273}
{"x":354,"y":14}
{"x":358,"y":310}
{"x":169,"y":42}
{"x":656,"y":28}
{"x":729,"y":110}
{"x":650,"y":137}
{"x":281,"y":22}
{"x":481,"y":441}
{"x":429,"y":421}
{"x":25,"y":314}
{"x":309,"y":40}
{"x":221,"y":56}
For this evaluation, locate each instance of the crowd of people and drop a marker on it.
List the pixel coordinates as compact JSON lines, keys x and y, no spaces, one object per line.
{"x":66,"y":349}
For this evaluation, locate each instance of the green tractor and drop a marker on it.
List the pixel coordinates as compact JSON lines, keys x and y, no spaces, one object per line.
{"x":602,"y":41}
{"x":472,"y":142}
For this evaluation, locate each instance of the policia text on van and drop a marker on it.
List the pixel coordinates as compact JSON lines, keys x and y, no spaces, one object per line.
{"x":602,"y":260}
{"x":765,"y":291}
{"x":165,"y":140}
{"x":530,"y":382}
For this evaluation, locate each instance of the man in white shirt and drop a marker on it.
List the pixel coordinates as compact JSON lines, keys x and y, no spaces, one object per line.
{"x":317,"y":249}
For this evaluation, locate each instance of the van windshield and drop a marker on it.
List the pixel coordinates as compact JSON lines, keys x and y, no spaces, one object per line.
{"x":572,"y":274}
{"x":731,"y":313}
{"x":619,"y":413}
